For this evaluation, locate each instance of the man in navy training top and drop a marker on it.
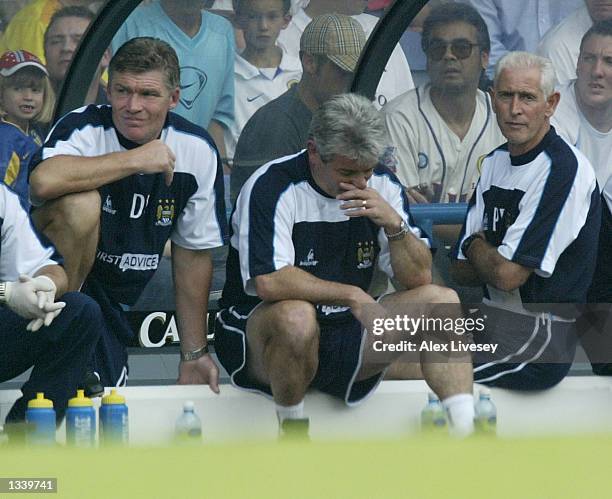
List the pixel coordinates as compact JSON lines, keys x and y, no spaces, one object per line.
{"x":307,"y":231}
{"x":530,"y":234}
{"x":117,"y":182}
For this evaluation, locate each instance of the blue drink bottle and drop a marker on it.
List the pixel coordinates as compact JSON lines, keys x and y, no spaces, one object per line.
{"x":41,"y":416}
{"x":80,"y":421}
{"x":114,"y":419}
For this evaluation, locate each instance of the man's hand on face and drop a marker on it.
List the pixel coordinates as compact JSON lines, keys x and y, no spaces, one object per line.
{"x":368,"y":203}
{"x":202,"y":371}
{"x":155,"y":157}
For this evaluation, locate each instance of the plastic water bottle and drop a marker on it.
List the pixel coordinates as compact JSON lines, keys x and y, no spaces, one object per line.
{"x":41,"y":416}
{"x":485,"y":413}
{"x":433,"y":415}
{"x":80,"y":421}
{"x":114,"y":427}
{"x":188,"y":427}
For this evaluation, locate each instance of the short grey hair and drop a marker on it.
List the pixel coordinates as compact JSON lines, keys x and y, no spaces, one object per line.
{"x":527,"y":60}
{"x":349,"y":125}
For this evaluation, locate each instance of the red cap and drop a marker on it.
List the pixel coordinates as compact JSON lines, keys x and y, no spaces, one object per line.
{"x":378,"y":4}
{"x":14,"y":60}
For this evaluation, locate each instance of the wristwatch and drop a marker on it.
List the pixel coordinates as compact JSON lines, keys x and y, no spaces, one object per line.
{"x":195,"y":354}
{"x":396,"y":236}
{"x":468,"y":242}
{"x":2,"y":292}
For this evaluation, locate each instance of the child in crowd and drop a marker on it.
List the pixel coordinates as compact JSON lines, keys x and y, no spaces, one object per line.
{"x":26,"y":107}
{"x":263,"y":71}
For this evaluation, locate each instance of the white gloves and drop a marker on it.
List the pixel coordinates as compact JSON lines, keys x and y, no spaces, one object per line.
{"x":34,"y":298}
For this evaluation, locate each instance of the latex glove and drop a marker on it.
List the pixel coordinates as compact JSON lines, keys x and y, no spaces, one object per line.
{"x":46,"y":302}
{"x":33,"y":298}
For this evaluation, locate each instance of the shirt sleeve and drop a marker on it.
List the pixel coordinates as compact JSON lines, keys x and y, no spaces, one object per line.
{"x":560,"y":53}
{"x":72,"y":136}
{"x":224,"y":112}
{"x":202,"y":223}
{"x":22,"y":249}
{"x":264,"y":224}
{"x":552,"y":213}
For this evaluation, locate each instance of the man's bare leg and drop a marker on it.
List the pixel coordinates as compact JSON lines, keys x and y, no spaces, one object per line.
{"x":451,"y":380}
{"x":283,"y":344}
{"x":72,"y":223}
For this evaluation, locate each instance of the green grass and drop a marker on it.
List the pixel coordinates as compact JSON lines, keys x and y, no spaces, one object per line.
{"x":423,"y":467}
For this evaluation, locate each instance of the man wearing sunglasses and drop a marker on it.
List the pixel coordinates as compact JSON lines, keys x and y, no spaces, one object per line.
{"x":441,"y":129}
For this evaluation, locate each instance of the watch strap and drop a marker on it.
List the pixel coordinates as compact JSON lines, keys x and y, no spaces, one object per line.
{"x":194,"y":354}
{"x":399,"y":234}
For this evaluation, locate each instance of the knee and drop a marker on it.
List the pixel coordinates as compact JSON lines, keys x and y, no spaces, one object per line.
{"x":440,"y":294}
{"x":86,"y":315}
{"x":79,"y":212}
{"x":297,"y":325}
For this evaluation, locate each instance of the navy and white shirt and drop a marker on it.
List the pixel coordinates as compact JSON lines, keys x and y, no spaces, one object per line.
{"x":282,"y":218}
{"x":139,"y":213}
{"x":22,"y":249}
{"x":541,"y":210}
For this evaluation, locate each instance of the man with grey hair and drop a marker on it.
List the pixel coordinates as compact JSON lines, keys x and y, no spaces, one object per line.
{"x":530,"y":234}
{"x":305,"y":235}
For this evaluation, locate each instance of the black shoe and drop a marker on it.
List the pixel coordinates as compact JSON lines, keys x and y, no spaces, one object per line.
{"x":294,"y":429}
{"x":92,"y":386}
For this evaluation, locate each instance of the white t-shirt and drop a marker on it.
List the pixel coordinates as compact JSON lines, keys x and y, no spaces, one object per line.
{"x":429,"y":152}
{"x":573,"y":126}
{"x":254,"y":87}
{"x":227,"y":5}
{"x":21,"y":250}
{"x":562,"y":43}
{"x":395,"y":80}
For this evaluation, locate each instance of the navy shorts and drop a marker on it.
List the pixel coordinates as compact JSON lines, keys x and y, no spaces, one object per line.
{"x":340,"y":351}
{"x":534,"y":352}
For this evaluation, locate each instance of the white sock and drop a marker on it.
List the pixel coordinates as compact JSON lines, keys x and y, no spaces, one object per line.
{"x":290,"y":411}
{"x":460,"y":410}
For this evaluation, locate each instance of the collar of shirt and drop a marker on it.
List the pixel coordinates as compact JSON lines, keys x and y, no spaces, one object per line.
{"x":247,"y":71}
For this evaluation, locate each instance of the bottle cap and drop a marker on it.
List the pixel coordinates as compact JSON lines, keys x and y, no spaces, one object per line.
{"x":188,"y":405}
{"x":113,"y":398}
{"x":485,"y":392}
{"x":40,"y":402}
{"x":80,"y":400}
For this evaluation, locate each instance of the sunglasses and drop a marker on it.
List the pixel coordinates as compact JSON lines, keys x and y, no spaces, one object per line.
{"x":461,"y":49}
